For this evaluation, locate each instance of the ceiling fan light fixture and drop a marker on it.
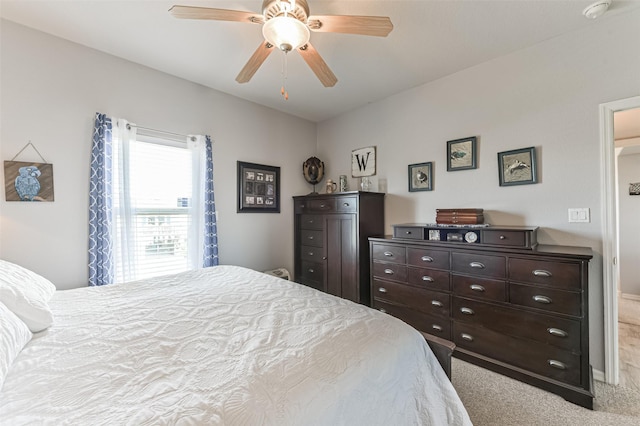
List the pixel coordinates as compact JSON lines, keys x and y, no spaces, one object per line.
{"x":596,"y":9}
{"x":286,"y":33}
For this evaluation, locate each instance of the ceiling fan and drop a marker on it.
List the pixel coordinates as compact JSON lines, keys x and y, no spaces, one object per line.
{"x":286,"y":24}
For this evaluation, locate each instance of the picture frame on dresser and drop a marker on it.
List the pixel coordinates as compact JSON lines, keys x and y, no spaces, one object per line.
{"x":517,"y":167}
{"x":462,"y":154}
{"x":421,"y":177}
{"x":258,"y":188}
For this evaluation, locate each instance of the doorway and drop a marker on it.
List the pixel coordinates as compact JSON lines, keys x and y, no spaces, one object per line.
{"x":627,"y":144}
{"x":610,"y":241}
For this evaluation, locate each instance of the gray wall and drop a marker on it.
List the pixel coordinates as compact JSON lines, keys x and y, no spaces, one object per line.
{"x":546,"y":96}
{"x":52,"y":88}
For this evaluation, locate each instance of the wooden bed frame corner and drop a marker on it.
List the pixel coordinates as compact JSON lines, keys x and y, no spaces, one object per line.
{"x":443,"y":349}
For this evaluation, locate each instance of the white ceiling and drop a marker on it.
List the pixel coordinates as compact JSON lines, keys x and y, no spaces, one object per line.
{"x":431,"y":39}
{"x":626,"y":124}
{"x":626,"y":131}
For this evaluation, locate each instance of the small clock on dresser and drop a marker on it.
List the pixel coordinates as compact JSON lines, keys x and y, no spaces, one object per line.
{"x":471,"y":236}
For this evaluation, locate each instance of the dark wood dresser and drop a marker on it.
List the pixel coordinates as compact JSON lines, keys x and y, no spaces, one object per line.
{"x":513,"y":307}
{"x":331,"y":241}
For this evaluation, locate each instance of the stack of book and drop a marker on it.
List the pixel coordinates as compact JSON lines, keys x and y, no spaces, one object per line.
{"x":459,"y":216}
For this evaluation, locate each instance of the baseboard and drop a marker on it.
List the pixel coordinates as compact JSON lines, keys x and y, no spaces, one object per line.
{"x":598,"y":375}
{"x":630,"y":296}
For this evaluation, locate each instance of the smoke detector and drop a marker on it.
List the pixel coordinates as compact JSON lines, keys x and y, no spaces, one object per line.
{"x":597,"y":9}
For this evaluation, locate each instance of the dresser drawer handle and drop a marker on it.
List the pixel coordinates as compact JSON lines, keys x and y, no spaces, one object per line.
{"x":323,"y":206}
{"x":467,"y":337}
{"x":388,"y":254}
{"x":436,"y":327}
{"x":310,"y":221}
{"x":382,"y":290}
{"x":408,"y":232}
{"x":502,"y":237}
{"x":388,"y":271}
{"x":542,"y":299}
{"x":542,"y":273}
{"x":557,"y":364}
{"x":467,"y":311}
{"x":427,"y":278}
{"x":476,"y":287}
{"x":427,"y":259}
{"x":311,"y":271}
{"x":310,"y":237}
{"x":346,"y":204}
{"x":436,"y":303}
{"x":383,"y":310}
{"x":477,"y":265}
{"x":557,"y":332}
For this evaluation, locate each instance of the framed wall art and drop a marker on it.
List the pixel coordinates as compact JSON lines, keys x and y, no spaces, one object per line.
{"x":461,"y":154}
{"x":363,"y":162}
{"x":258,"y":188}
{"x":421,"y":177}
{"x":517,"y":167}
{"x":25,"y":181}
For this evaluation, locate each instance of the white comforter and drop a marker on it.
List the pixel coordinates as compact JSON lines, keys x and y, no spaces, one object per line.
{"x":224,"y":345}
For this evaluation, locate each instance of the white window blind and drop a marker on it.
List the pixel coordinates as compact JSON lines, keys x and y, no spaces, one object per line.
{"x":152,"y":207}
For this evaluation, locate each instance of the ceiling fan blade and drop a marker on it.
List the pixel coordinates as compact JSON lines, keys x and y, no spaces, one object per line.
{"x":258,"y":57}
{"x":379,"y":26}
{"x":192,"y":12}
{"x":318,"y":65}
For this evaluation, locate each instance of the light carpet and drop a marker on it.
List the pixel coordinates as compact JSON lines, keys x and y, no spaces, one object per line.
{"x":497,"y":400}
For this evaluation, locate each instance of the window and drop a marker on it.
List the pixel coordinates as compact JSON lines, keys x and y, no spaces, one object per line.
{"x":155,"y":182}
{"x":151,"y":203}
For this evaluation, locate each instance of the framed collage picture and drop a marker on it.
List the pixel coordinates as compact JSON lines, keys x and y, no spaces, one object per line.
{"x":258,"y":188}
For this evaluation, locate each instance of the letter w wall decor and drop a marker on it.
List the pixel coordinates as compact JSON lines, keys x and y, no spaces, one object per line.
{"x":363,"y":162}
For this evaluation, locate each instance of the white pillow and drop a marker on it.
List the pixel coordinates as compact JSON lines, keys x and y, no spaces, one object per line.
{"x":14,"y":335}
{"x":26,"y":294}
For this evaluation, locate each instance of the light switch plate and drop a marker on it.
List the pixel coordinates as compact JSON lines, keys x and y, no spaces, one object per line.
{"x":579,"y":215}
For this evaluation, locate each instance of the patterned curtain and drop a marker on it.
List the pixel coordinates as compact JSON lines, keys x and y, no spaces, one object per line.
{"x":210,"y":229}
{"x":100,"y":204}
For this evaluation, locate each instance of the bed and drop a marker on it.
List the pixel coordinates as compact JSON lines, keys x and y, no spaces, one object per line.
{"x":223,"y":345}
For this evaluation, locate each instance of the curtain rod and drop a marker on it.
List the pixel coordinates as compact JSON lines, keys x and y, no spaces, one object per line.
{"x":192,"y":138}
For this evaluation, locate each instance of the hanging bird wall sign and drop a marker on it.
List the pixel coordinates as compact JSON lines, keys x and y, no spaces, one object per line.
{"x":28,"y":181}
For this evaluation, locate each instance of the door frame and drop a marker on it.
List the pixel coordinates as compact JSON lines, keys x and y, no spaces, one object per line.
{"x":610,"y":234}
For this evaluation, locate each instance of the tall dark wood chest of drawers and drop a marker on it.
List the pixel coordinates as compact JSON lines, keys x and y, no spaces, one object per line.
{"x":331,"y":241}
{"x":519,"y":312}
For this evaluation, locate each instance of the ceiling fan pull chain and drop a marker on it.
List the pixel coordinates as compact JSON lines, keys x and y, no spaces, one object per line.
{"x":283,"y":91}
